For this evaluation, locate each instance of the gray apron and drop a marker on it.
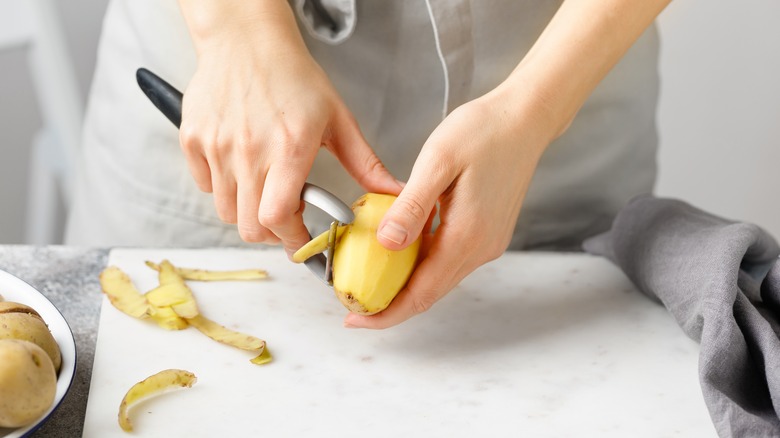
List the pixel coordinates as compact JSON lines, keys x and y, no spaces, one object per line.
{"x":400,"y":67}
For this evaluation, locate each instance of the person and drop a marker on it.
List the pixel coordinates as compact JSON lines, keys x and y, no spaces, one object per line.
{"x":529,"y":125}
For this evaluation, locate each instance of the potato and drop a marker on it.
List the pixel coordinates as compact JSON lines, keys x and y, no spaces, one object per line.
{"x":13,"y":307}
{"x":18,"y":321}
{"x":28,"y":382}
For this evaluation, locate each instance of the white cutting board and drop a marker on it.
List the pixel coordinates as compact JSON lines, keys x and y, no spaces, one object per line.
{"x":532,"y":344}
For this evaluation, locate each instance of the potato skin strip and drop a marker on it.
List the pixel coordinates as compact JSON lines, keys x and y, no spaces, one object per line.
{"x":208,"y":275}
{"x":168,"y":274}
{"x":166,"y":318}
{"x":225,"y":335}
{"x":176,"y":296}
{"x":151,"y":386}
{"x":172,"y":305}
{"x":264,"y":357}
{"x":233,"y":338}
{"x":122,"y":293}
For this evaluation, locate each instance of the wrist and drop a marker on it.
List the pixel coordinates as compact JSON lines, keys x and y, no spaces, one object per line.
{"x":230,"y":22}
{"x":530,"y":110}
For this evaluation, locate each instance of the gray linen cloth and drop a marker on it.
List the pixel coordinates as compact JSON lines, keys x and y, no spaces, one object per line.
{"x":720,"y":280}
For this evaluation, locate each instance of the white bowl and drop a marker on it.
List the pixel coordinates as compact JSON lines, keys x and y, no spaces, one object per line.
{"x":14,"y":289}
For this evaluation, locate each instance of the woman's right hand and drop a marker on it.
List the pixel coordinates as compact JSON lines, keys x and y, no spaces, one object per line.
{"x":255,"y":114}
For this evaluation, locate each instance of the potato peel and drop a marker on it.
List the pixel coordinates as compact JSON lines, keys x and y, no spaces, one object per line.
{"x":168,"y":295}
{"x":208,"y":275}
{"x":167,"y":274}
{"x":122,"y":293}
{"x":151,"y":386}
{"x":166,"y":318}
{"x":264,"y":357}
{"x":226,"y":336}
{"x":173,"y":307}
{"x":177,"y":296}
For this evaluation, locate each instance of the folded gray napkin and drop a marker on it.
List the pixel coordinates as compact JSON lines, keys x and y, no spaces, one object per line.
{"x":721,"y":281}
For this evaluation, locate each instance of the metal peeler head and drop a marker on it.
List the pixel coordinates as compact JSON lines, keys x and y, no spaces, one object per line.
{"x":321,"y":264}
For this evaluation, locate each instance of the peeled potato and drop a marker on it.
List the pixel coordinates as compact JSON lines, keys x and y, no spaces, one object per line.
{"x":28,"y":382}
{"x":19,"y":321}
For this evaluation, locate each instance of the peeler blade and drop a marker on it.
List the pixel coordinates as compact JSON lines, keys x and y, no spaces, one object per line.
{"x":321,"y":265}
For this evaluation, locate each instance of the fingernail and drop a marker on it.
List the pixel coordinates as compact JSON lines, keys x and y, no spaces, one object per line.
{"x":350,"y":326}
{"x":393,"y":232}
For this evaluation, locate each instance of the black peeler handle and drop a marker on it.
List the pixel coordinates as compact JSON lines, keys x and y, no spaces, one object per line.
{"x":162,"y":94}
{"x":168,"y":100}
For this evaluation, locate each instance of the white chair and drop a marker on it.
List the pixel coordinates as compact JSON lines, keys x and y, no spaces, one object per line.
{"x":35,"y":25}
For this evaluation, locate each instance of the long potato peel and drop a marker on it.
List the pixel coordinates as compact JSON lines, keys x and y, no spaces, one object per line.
{"x":122,"y":293}
{"x":176,"y":295}
{"x":173,"y":307}
{"x":224,"y":335}
{"x":311,"y":248}
{"x":167,"y":274}
{"x":169,"y":294}
{"x":166,"y":318}
{"x":263,"y":358}
{"x":151,"y":386}
{"x":209,"y":275}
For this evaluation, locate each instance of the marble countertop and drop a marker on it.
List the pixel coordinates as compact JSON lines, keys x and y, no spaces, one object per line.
{"x":577,"y":349}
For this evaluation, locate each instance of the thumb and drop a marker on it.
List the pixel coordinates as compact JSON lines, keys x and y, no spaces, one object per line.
{"x":404,"y":221}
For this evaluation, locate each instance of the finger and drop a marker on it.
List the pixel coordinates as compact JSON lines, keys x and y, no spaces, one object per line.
{"x":196,"y":162}
{"x":358,"y":159}
{"x":281,"y":209}
{"x":405,"y":219}
{"x":223,"y":184}
{"x":440,"y":271}
{"x":251,"y":176}
{"x":250,"y":187}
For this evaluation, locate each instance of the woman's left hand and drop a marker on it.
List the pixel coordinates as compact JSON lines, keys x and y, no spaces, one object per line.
{"x":478,"y":165}
{"x":479,"y":162}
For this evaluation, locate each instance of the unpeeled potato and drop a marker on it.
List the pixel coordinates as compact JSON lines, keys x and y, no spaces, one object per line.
{"x":18,"y":321}
{"x":28,"y":382}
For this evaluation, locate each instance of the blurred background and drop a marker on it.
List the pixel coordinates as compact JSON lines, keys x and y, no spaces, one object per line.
{"x":719,"y":115}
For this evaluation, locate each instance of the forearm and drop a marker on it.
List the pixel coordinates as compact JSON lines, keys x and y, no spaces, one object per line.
{"x":577,"y":49}
{"x":263,"y":22}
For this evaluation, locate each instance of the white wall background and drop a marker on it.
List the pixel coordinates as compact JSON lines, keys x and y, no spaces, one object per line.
{"x":719,"y":113}
{"x":20,"y":117}
{"x":719,"y":116}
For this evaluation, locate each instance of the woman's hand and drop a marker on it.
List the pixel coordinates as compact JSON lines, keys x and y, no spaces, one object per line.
{"x":255,"y":114}
{"x":479,"y":162}
{"x":478,"y":165}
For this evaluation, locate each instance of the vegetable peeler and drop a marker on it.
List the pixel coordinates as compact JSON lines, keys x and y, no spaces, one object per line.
{"x":168,"y":100}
